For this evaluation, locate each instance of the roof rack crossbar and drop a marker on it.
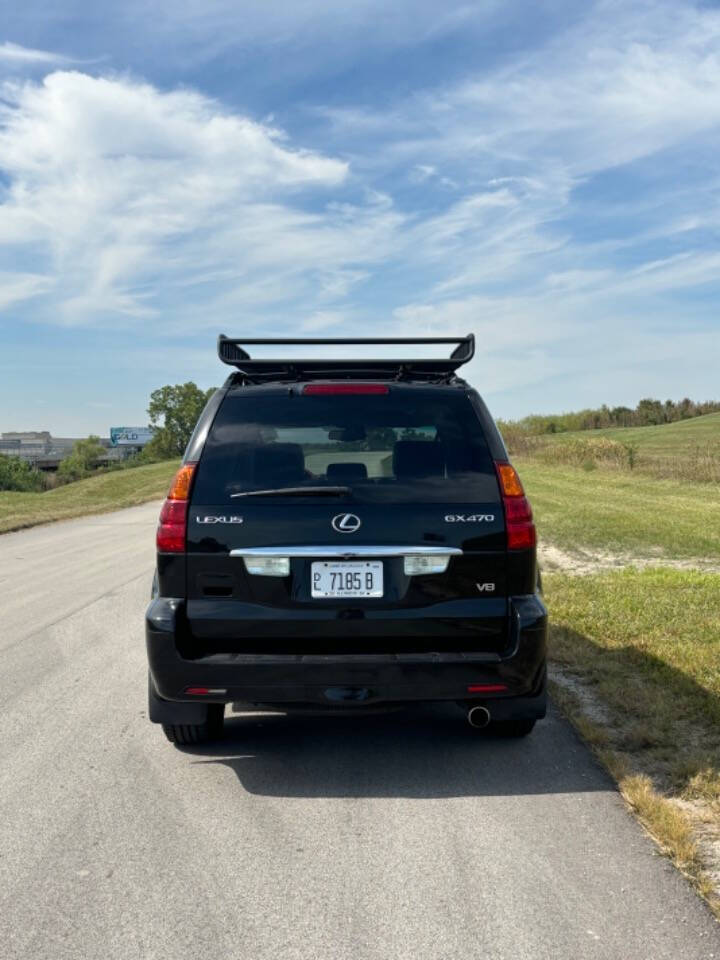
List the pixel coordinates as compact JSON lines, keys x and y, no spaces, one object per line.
{"x":232,"y":351}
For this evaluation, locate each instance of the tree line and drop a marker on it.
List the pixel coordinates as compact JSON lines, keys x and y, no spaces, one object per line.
{"x":648,"y":412}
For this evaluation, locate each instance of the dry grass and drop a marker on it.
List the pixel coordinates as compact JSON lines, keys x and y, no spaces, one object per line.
{"x":670,"y":826}
{"x":667,"y":823}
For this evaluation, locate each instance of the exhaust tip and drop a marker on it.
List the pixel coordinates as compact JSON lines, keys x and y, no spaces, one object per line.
{"x":478,"y":717}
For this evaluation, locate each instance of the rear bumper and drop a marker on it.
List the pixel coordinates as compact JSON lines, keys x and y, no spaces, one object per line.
{"x":354,"y":681}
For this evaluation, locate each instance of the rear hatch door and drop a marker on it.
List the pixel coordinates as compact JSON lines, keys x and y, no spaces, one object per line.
{"x":364,"y":497}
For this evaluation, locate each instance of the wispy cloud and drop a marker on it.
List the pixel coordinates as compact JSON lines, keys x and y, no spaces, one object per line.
{"x":14,"y":53}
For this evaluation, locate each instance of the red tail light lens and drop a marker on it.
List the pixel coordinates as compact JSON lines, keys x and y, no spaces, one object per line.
{"x":519,"y":524}
{"x":323,"y":389}
{"x":172,"y":528}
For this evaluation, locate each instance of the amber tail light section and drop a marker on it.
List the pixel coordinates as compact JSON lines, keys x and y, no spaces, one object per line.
{"x":518,"y":514}
{"x":172,"y":528}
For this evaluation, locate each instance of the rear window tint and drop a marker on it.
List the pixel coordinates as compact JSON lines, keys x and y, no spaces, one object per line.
{"x":397,"y":447}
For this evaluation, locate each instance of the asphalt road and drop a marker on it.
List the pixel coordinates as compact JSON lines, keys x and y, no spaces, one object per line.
{"x":392,"y":837}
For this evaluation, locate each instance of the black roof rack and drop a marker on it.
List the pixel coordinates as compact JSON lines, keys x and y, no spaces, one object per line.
{"x":232,"y":351}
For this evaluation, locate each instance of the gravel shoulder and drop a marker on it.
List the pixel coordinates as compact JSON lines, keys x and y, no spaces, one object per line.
{"x":585,"y":561}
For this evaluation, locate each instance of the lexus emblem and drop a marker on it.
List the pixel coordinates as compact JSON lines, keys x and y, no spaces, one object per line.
{"x":346,"y":523}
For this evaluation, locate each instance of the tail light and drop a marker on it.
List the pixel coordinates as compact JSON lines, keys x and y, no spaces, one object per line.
{"x":172,"y":528}
{"x":518,"y":514}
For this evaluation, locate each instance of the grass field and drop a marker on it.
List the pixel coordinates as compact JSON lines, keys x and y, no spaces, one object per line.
{"x":109,"y":491}
{"x":666,"y":440}
{"x":688,"y":450}
{"x":645,"y":640}
{"x":628,"y":512}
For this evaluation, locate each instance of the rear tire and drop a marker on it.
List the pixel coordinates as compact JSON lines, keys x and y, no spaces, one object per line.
{"x":187,"y":734}
{"x":517,"y":727}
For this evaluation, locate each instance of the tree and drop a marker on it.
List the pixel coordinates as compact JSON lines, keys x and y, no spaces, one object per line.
{"x":173,"y":412}
{"x":83,"y":459}
{"x":17,"y":474}
{"x":649,"y":412}
{"x":622,"y":416}
{"x":380,"y":438}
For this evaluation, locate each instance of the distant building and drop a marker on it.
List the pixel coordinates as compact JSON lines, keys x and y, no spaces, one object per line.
{"x":28,"y":436}
{"x":43,"y":450}
{"x":28,"y":444}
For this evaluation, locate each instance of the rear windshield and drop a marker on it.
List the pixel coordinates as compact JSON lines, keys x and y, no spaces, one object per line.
{"x":394,"y":447}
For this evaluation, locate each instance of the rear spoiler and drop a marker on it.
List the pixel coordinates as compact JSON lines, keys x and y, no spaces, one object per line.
{"x":233,"y":352}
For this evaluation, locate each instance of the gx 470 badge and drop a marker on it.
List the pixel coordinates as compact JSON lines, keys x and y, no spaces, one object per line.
{"x":469,"y":517}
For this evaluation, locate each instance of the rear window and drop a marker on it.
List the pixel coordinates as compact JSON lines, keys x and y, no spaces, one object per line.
{"x":395,"y":447}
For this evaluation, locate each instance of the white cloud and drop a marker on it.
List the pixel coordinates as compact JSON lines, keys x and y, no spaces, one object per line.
{"x":628,"y":81}
{"x":422,"y":172}
{"x":127,"y":194}
{"x":14,"y":53}
{"x":17,"y":287}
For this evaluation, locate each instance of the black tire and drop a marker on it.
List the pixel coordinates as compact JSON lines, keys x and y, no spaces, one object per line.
{"x":518,"y":727}
{"x":187,"y":734}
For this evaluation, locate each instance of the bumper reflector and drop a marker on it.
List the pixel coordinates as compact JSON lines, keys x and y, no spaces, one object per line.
{"x":486,"y":688}
{"x":204,"y":691}
{"x":418,"y":565}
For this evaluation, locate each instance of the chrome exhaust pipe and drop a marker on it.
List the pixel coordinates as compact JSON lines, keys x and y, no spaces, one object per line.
{"x":478,"y":717}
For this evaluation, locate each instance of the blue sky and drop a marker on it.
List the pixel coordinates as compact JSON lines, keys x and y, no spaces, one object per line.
{"x":545,"y":174}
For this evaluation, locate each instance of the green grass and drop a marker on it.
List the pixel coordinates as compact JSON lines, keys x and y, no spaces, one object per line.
{"x":645,"y":646}
{"x":659,"y":625}
{"x":627,"y":512}
{"x":668,"y":439}
{"x":108,"y":491}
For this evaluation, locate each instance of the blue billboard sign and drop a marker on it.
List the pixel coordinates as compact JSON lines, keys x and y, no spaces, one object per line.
{"x":130,"y":436}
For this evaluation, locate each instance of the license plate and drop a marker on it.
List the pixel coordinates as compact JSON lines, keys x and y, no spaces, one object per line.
{"x":347,"y":579}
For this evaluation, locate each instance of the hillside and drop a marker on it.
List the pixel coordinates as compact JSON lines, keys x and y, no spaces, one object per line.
{"x":664,"y":440}
{"x":108,"y":491}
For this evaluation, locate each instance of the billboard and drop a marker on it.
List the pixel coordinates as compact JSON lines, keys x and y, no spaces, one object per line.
{"x":130,"y":436}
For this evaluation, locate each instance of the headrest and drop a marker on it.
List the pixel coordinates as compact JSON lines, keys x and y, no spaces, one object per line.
{"x":278,"y":464}
{"x":346,"y":471}
{"x":418,"y":458}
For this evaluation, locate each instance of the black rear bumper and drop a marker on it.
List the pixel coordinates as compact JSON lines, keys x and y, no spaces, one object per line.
{"x":349,"y":680}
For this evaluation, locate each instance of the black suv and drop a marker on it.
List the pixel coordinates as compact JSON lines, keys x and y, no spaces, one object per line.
{"x":345,"y":534}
